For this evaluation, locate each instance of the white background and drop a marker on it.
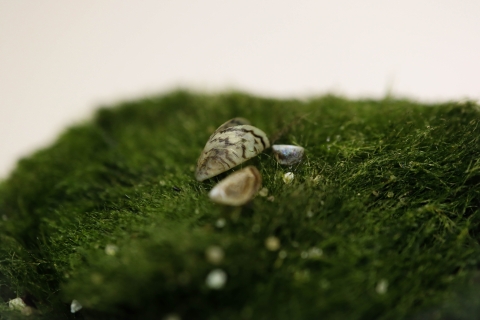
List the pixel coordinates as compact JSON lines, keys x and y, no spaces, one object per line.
{"x":60,"y":59}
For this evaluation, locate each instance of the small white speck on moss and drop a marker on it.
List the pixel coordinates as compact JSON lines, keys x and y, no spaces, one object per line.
{"x":312,"y":253}
{"x":263,"y":192}
{"x":382,"y":286}
{"x":315,"y":253}
{"x":75,"y":306}
{"x":288,"y":177}
{"x":272,"y":243}
{"x":111,"y":249}
{"x":309,"y":213}
{"x":220,"y":223}
{"x":216,"y":279}
{"x":214,"y":254}
{"x":162,"y":183}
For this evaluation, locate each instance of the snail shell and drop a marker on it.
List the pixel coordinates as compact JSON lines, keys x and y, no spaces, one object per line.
{"x":229,"y":146}
{"x":233,"y":122}
{"x":238,"y":188}
{"x":288,"y":154}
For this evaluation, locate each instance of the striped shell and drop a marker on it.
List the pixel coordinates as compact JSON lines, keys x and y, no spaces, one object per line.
{"x":238,"y":188}
{"x":288,"y":154}
{"x":229,"y":146}
{"x":233,"y":122}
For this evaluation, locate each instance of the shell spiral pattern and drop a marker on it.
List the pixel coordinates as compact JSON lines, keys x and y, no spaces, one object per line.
{"x":228,"y":147}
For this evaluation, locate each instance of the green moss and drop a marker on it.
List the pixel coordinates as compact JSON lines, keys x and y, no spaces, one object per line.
{"x":389,"y":192}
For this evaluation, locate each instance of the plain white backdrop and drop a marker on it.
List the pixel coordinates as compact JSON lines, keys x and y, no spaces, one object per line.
{"x":59,"y":60}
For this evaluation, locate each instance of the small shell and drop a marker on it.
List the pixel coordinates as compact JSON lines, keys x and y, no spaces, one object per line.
{"x":228,"y":147}
{"x":238,"y":188}
{"x":288,"y":154}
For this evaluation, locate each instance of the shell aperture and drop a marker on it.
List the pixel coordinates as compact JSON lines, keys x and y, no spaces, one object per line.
{"x":238,"y":188}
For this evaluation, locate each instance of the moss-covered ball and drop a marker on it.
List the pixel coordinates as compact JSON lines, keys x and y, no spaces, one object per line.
{"x":380,"y":221}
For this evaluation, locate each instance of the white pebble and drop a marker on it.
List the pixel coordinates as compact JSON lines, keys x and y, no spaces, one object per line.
{"x":75,"y":306}
{"x":288,"y":177}
{"x":216,"y":279}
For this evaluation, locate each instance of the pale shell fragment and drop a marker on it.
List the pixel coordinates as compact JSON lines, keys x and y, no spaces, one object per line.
{"x":238,"y":188}
{"x":288,"y":177}
{"x":228,"y":147}
{"x":17,"y":304}
{"x":75,"y":306}
{"x":288,"y":154}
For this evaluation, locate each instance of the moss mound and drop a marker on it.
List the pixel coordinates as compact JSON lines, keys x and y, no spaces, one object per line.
{"x":381,"y":220}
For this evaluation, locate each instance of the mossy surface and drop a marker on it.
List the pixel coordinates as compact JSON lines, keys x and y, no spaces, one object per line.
{"x":380,"y":222}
